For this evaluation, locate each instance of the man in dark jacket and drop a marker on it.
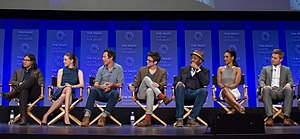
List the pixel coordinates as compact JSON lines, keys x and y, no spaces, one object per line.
{"x":191,"y":85}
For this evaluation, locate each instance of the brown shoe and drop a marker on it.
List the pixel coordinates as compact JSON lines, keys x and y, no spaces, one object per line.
{"x":287,"y":122}
{"x":101,"y":121}
{"x":192,"y":123}
{"x":179,"y":123}
{"x":85,"y":121}
{"x":144,"y":123}
{"x":167,"y":100}
{"x":269,"y":122}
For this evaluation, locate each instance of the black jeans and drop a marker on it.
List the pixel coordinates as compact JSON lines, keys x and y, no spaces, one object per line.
{"x":28,"y":91}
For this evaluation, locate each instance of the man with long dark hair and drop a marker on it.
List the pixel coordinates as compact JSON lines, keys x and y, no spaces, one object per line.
{"x":26,"y":84}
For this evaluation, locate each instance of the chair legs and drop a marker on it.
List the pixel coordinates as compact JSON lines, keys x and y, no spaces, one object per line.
{"x":278,"y":112}
{"x":62,"y":113}
{"x":109,"y":116}
{"x":29,"y":109}
{"x":152,"y":115}
{"x":188,"y":111}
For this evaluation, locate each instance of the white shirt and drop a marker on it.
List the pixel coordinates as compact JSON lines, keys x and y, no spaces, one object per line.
{"x":275,"y":76}
{"x":194,"y":71}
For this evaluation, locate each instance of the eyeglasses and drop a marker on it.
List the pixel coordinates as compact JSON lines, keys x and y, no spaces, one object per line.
{"x":26,"y":60}
{"x":149,"y":60}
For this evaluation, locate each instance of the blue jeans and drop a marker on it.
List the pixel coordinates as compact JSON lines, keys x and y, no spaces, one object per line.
{"x":97,"y":94}
{"x":182,"y":93}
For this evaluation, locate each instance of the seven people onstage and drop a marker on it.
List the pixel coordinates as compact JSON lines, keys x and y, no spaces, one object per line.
{"x":275,"y":83}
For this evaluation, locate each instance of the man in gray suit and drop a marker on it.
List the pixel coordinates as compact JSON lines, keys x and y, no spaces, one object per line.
{"x":276,"y":82}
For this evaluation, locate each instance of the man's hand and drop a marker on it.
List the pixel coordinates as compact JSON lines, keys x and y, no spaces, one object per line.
{"x":131,"y":87}
{"x":194,"y":65}
{"x":179,"y":83}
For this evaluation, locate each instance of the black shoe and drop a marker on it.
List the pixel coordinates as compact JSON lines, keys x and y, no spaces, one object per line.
{"x":5,"y":95}
{"x":67,"y":124}
{"x":23,"y":121}
{"x":44,"y":124}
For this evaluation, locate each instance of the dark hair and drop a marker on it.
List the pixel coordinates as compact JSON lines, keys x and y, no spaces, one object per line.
{"x":155,"y":56}
{"x":75,"y":59}
{"x":279,"y":52}
{"x":110,"y":54}
{"x":232,"y":53}
{"x":32,"y":59}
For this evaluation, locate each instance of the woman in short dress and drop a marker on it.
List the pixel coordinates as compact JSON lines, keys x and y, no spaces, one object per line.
{"x":68,"y":78}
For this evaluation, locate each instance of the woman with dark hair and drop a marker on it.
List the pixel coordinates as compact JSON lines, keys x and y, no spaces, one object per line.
{"x":26,"y":84}
{"x":68,"y":78}
{"x":228,"y":78}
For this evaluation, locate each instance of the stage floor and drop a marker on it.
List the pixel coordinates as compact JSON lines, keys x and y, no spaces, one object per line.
{"x":127,"y":131}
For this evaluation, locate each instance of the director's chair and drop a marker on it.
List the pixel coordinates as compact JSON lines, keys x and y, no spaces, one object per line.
{"x":188,"y":105}
{"x":75,"y":101}
{"x":221,"y":102}
{"x":102,"y":105}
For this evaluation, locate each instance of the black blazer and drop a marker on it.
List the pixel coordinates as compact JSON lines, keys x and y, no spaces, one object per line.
{"x":202,"y":76}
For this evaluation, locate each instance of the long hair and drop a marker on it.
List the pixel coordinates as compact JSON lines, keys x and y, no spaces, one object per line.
{"x":232,"y":53}
{"x":32,"y":59}
{"x":74,"y":58}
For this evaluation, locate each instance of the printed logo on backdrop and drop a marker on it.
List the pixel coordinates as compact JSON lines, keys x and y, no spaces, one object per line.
{"x":93,"y":43}
{"x":199,"y":40}
{"x":264,"y":42}
{"x":129,"y":51}
{"x":165,"y":42}
{"x":293,"y":53}
{"x":59,"y":42}
{"x":23,"y":41}
{"x":235,"y":40}
{"x":1,"y":59}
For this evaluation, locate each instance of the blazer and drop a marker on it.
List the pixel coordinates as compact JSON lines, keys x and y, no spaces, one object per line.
{"x":160,"y":77}
{"x":18,"y":75}
{"x":202,"y":76}
{"x":265,"y":77}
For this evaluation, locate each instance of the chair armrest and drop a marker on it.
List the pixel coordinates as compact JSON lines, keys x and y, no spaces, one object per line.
{"x":10,"y":87}
{"x":81,"y":92}
{"x":245,"y":87}
{"x":42,"y":91}
{"x":214,"y":89}
{"x":120,"y":94}
{"x":50,"y":89}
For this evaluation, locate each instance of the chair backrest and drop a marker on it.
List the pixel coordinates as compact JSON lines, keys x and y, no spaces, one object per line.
{"x":54,"y":81}
{"x":92,"y":80}
{"x":215,"y":80}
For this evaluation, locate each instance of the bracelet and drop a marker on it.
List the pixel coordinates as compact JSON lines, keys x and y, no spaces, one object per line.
{"x":112,"y":85}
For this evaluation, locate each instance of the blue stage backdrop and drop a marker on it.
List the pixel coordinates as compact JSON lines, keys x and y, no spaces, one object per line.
{"x":234,"y":39}
{"x":165,"y":42}
{"x":49,"y":40}
{"x":200,"y":40}
{"x":1,"y":59}
{"x":264,"y":41}
{"x":129,"y":53}
{"x":59,"y":42}
{"x":93,"y":42}
{"x":23,"y":41}
{"x":293,"y":54}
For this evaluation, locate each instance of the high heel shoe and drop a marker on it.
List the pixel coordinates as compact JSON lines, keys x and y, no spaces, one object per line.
{"x":67,"y":124}
{"x":242,"y":110}
{"x":44,"y":124}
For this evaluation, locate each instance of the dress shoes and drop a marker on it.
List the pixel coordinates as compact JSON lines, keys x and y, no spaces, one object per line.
{"x":167,"y":100}
{"x":269,"y":122}
{"x":85,"y":121}
{"x":23,"y":120}
{"x":101,"y":121}
{"x":192,"y":123}
{"x":287,"y":122}
{"x":179,"y":123}
{"x":144,"y":123}
{"x":10,"y":95}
